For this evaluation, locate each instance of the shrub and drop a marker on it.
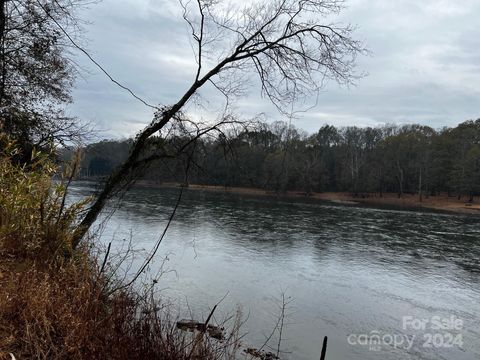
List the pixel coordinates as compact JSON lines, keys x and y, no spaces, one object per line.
{"x":35,"y":221}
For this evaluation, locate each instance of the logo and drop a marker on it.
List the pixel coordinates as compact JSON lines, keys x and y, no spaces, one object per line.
{"x":434,"y":332}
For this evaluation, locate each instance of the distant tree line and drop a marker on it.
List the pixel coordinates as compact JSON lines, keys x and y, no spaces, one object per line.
{"x":278,"y":157}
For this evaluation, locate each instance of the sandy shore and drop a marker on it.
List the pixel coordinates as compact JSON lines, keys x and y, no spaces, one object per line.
{"x":439,"y":202}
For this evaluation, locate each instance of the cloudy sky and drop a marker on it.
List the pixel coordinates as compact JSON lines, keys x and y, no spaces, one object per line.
{"x":424,"y":66}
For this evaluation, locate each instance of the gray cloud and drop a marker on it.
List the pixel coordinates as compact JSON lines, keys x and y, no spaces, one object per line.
{"x":424,"y":66}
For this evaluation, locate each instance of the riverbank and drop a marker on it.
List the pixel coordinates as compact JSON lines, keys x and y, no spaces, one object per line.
{"x":441,"y":202}
{"x":61,"y":302}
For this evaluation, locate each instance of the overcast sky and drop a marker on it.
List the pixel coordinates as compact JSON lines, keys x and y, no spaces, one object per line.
{"x":424,"y":66}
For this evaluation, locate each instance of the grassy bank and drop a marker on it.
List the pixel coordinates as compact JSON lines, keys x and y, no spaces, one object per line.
{"x":64,"y":311}
{"x":59,"y":302}
{"x":441,"y":202}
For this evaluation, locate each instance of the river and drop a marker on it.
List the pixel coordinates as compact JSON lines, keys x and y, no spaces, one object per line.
{"x":380,"y":283}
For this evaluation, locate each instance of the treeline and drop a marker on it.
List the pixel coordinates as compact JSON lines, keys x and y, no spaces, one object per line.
{"x":278,"y":157}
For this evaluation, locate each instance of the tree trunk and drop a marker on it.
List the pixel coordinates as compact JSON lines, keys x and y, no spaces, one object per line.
{"x":3,"y":21}
{"x":400,"y":179}
{"x":420,"y":186}
{"x":114,"y":182}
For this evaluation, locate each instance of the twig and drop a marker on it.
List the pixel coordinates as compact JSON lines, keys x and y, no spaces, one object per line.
{"x":324,"y":349}
{"x":208,"y":318}
{"x":157,"y":245}
{"x":105,"y":258}
{"x":112,"y":79}
{"x":282,"y":319}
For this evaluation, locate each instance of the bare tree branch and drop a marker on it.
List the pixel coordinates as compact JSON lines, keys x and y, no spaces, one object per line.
{"x":283,"y":41}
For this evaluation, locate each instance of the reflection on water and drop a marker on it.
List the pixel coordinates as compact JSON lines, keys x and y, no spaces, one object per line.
{"x":349,"y":270}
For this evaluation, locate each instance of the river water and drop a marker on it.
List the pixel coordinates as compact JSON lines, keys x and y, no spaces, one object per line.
{"x":380,"y":283}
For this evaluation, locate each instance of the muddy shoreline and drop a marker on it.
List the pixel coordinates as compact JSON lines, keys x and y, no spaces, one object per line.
{"x":439,"y":203}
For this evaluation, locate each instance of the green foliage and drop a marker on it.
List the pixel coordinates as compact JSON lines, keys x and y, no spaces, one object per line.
{"x":34,"y":218}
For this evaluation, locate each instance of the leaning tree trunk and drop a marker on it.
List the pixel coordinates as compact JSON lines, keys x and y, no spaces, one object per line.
{"x":127,"y":169}
{"x":121,"y":175}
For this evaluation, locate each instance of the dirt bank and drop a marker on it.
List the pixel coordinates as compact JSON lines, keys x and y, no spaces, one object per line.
{"x":439,"y":202}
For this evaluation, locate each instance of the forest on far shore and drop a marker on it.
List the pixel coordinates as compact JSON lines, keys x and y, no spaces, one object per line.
{"x":279,"y":157}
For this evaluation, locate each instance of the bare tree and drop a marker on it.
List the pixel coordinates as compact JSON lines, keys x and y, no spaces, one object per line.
{"x":283,"y":41}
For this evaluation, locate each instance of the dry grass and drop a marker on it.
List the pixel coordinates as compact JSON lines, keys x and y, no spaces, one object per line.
{"x":64,"y":312}
{"x":55,"y":301}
